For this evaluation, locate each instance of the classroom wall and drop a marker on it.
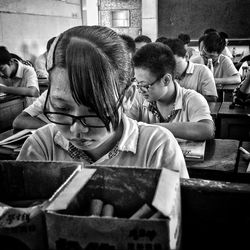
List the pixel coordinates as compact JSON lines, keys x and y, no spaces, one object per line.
{"x":26,"y":25}
{"x":134,"y":6}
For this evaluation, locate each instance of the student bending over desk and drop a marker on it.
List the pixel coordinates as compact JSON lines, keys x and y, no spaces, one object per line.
{"x":90,"y":86}
{"x":224,"y":69}
{"x":183,"y":111}
{"x":17,"y":78}
{"x":192,"y":75}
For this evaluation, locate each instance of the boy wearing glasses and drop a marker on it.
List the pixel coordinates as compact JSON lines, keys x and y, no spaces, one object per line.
{"x":224,"y":69}
{"x":192,"y":75}
{"x":162,"y":101}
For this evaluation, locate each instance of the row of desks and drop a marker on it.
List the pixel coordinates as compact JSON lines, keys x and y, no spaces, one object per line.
{"x":220,"y":154}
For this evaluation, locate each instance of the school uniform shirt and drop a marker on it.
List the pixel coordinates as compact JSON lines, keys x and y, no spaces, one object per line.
{"x":224,"y":67}
{"x":141,"y":145}
{"x":36,"y":108}
{"x":199,"y":78}
{"x":189,"y":106}
{"x":25,"y":77}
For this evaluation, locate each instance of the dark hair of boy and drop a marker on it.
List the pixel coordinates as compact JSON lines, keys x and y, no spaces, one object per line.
{"x":161,"y":39}
{"x":156,"y":57}
{"x":129,"y":42}
{"x":223,"y":34}
{"x":143,"y":38}
{"x":177,"y":46}
{"x":213,"y":42}
{"x":209,"y":30}
{"x":5,"y":56}
{"x":184,"y":37}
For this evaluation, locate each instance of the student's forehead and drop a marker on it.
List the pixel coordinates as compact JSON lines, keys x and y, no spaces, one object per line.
{"x":59,"y":80}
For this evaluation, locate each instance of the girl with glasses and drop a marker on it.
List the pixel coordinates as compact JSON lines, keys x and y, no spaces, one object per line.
{"x":89,"y":70}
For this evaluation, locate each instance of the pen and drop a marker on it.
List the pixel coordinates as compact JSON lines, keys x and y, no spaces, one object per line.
{"x":243,"y":150}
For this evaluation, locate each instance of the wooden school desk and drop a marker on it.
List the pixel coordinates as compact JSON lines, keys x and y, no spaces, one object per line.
{"x":5,"y":153}
{"x":220,"y":154}
{"x":10,"y":107}
{"x":234,"y":123}
{"x":243,"y":164}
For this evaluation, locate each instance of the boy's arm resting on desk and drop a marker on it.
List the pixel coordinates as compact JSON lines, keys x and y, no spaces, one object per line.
{"x":196,"y":131}
{"x":228,"y":80}
{"x":23,"y":91}
{"x":24,"y":120}
{"x":210,"y":98}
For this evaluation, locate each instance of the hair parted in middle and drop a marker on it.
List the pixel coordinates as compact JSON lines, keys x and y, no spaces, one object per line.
{"x":98,"y":68}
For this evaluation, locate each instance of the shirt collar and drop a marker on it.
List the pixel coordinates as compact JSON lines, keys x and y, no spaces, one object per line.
{"x":190,"y":68}
{"x":19,"y":73}
{"x":179,"y":96}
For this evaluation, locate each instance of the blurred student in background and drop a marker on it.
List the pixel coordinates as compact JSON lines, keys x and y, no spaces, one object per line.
{"x":224,"y":69}
{"x":141,"y":41}
{"x":192,"y":75}
{"x":186,"y":40}
{"x":40,"y":62}
{"x":17,"y":78}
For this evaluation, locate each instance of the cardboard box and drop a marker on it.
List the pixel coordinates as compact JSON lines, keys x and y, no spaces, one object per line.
{"x":22,"y":184}
{"x":69,"y":225}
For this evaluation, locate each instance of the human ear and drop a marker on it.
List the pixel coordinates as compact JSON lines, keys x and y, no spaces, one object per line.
{"x":166,"y":79}
{"x":129,"y":97}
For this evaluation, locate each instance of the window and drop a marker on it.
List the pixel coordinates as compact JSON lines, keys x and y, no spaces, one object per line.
{"x":120,"y":18}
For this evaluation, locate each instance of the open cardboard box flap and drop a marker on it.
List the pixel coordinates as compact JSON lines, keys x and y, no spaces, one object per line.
{"x":15,"y":216}
{"x":168,"y":186}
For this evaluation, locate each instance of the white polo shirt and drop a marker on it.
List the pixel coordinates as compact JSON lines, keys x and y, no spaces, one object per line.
{"x":190,"y":106}
{"x":199,"y":78}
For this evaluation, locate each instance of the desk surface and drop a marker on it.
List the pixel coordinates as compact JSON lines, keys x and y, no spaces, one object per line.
{"x":7,"y":98}
{"x":220,"y":154}
{"x":237,"y":111}
{"x":243,"y":164}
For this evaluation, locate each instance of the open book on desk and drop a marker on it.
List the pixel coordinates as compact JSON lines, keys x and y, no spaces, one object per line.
{"x":15,"y":141}
{"x":192,"y":150}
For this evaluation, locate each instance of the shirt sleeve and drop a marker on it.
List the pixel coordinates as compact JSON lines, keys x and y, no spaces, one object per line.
{"x":31,"y":151}
{"x":169,"y":154}
{"x":31,"y":77}
{"x":36,"y":108}
{"x":197,"y":107}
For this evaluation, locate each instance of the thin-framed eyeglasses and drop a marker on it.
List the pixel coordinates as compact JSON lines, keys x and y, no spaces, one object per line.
{"x":145,"y":86}
{"x":207,"y":55}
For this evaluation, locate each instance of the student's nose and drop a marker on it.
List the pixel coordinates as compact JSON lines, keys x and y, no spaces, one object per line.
{"x":77,"y":127}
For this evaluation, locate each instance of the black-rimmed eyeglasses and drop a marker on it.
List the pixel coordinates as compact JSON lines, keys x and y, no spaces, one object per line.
{"x":91,"y":121}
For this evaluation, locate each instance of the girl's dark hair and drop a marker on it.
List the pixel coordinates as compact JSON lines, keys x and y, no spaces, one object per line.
{"x":98,"y":69}
{"x":158,"y":58}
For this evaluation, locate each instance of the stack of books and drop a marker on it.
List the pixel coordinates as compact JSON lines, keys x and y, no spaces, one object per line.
{"x":192,"y":150}
{"x":15,"y":141}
